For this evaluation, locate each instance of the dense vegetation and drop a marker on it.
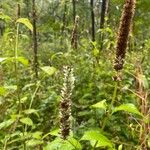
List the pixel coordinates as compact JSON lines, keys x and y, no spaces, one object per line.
{"x":73,"y":75}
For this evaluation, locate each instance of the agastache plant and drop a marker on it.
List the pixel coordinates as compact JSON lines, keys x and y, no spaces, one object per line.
{"x":123,"y":33}
{"x":65,"y":103}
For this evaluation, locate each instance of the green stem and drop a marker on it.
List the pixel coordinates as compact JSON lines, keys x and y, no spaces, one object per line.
{"x":114,"y":94}
{"x":16,"y":67}
{"x":32,"y":99}
{"x":111,"y":105}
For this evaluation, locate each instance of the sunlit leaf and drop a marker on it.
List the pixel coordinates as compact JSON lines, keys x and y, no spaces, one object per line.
{"x":26,"y":22}
{"x":4,"y":17}
{"x":49,"y":70}
{"x":75,"y":142}
{"x":130,"y":108}
{"x":31,"y":111}
{"x":2,"y":91}
{"x":59,"y":144}
{"x":95,"y":136}
{"x":6,"y":124}
{"x":102,"y":105}
{"x":23,"y":60}
{"x":34,"y":142}
{"x":2,"y":59}
{"x":26,"y":121}
{"x":37,"y":135}
{"x":55,"y":132}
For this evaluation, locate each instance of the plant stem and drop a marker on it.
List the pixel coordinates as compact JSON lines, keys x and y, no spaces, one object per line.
{"x":111,"y":105}
{"x":114,"y":94}
{"x":16,"y":67}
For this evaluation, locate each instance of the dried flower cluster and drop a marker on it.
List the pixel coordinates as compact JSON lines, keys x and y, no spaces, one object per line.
{"x":65,"y":104}
{"x":123,"y":34}
{"x":74,"y":43}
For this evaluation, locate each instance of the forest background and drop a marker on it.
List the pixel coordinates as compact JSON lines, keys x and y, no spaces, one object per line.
{"x":62,"y":51}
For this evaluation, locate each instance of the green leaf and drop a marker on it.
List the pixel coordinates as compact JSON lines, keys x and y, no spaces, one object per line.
{"x":30,"y":111}
{"x":75,"y":142}
{"x":6,"y":124}
{"x":49,"y":70}
{"x":26,"y":121}
{"x":102,"y":105}
{"x":120,"y":147}
{"x":54,"y":145}
{"x":26,"y":22}
{"x":95,"y":52}
{"x":2,"y":91}
{"x":23,"y":60}
{"x":11,"y":87}
{"x":5,"y":17}
{"x":59,"y":144}
{"x":55,"y":132}
{"x":34,"y":142}
{"x":37,"y":135}
{"x":130,"y":108}
{"x":95,"y":136}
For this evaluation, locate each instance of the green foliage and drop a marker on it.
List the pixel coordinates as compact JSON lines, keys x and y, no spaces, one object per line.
{"x":130,"y":108}
{"x":26,"y":22}
{"x":97,"y":139}
{"x":104,"y":116}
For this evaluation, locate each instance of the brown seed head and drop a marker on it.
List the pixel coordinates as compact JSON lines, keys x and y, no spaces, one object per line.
{"x":123,"y":34}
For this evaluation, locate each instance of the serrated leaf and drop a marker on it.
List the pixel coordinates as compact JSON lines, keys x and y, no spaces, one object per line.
{"x":59,"y":144}
{"x":49,"y":70}
{"x":54,"y":145}
{"x":55,"y":132}
{"x":75,"y":142}
{"x":26,"y":22}
{"x":26,"y":121}
{"x":130,"y":108}
{"x":95,"y":136}
{"x":102,"y":105}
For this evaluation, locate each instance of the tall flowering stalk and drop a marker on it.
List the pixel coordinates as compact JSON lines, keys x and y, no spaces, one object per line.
{"x":65,"y":103}
{"x":123,"y":34}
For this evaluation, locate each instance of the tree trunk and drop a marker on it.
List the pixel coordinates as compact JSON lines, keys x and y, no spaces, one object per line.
{"x":93,"y":20}
{"x":35,"y":46}
{"x":104,"y":9}
{"x":74,"y":10}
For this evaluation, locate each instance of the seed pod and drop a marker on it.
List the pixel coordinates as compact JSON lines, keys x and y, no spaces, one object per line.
{"x":123,"y":34}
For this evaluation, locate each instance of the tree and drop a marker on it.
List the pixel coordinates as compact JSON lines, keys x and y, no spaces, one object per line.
{"x":35,"y":45}
{"x":92,"y":20}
